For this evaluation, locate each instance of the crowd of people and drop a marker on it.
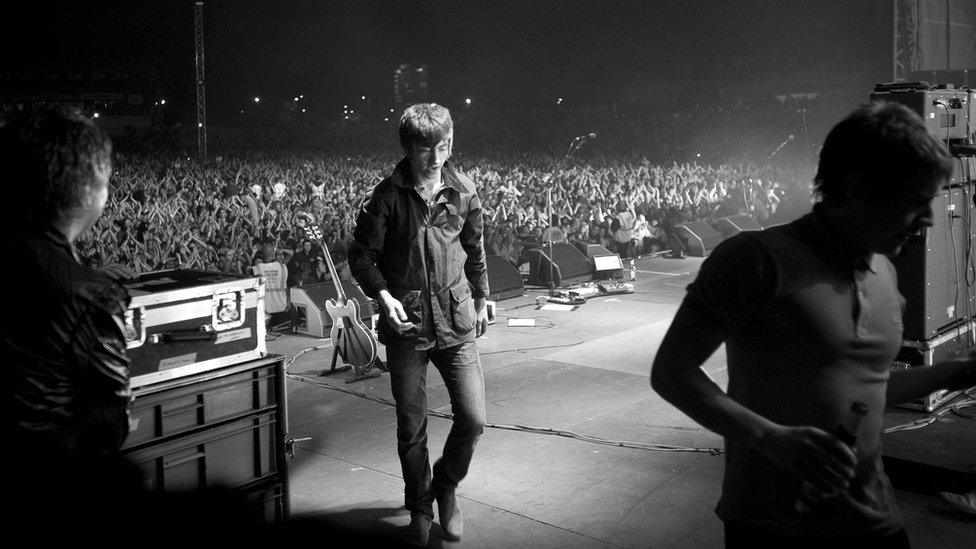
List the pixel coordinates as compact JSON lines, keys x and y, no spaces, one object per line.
{"x":646,"y":174}
{"x":222,"y":214}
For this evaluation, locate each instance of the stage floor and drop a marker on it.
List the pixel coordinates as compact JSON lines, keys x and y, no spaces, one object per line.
{"x":583,"y":371}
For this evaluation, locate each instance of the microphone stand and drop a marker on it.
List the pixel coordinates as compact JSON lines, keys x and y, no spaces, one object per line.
{"x":770,"y":157}
{"x":573,"y":147}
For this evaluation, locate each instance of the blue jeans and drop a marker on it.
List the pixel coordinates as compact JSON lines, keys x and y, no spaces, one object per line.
{"x":460,"y":367}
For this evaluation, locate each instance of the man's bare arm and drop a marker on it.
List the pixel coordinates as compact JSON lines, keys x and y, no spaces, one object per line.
{"x":676,"y":375}
{"x":955,"y":373}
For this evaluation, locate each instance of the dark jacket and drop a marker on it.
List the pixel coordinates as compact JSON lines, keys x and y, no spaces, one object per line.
{"x":431,"y":261}
{"x":65,"y":377}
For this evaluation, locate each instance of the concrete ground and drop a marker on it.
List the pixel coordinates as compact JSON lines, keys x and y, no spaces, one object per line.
{"x":583,"y":372}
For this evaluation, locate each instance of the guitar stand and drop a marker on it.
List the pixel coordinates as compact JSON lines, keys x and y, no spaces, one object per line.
{"x":365,"y":372}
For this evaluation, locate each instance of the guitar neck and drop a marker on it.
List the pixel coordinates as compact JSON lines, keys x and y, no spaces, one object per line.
{"x":317,"y":235}
{"x":340,"y":293}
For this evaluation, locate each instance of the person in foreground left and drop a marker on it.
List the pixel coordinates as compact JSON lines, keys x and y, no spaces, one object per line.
{"x":65,"y":382}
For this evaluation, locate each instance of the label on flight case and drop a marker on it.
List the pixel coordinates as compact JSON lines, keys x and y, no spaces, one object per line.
{"x":234,"y":335}
{"x":177,"y":361}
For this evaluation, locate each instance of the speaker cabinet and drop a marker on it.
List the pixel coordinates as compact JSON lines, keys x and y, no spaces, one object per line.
{"x":698,"y":237}
{"x":735,"y":224}
{"x":609,"y":266}
{"x":504,"y":280}
{"x":310,"y":316}
{"x":946,"y":112}
{"x":568,"y":266}
{"x":932,"y":269}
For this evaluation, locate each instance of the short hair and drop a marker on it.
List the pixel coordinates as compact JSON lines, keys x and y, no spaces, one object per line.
{"x":424,"y":124}
{"x":885,"y":142}
{"x":52,"y":157}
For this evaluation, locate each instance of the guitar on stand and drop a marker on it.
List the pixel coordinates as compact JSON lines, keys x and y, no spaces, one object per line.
{"x":352,"y":341}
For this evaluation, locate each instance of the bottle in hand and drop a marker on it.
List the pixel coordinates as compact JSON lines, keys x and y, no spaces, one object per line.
{"x":847,"y":433}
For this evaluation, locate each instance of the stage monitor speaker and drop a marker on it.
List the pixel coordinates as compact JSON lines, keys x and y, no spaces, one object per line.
{"x":605,"y":264}
{"x":504,"y":280}
{"x":311,"y":318}
{"x":932,"y":269}
{"x":699,"y":238}
{"x":569,"y":266}
{"x":735,"y":224}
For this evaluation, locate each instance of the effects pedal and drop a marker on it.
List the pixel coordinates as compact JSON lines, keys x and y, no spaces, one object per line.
{"x":616,"y":288}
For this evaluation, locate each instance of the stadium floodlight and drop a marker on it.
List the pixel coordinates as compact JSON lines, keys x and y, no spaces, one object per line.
{"x":467,"y":101}
{"x":162,"y":101}
{"x":300,"y":96}
{"x":296,"y":99}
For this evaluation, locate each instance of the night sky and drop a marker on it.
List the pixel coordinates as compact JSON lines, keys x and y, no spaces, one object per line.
{"x":500,"y":53}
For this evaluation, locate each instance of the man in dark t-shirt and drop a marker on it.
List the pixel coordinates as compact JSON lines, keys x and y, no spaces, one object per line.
{"x":811,"y":318}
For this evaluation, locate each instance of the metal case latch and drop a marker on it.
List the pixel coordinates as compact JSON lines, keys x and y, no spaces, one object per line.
{"x":135,"y":327}
{"x":227,"y":310}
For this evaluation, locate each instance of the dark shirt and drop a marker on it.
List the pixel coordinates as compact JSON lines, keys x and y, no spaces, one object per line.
{"x":810,"y":327}
{"x":431,"y":259}
{"x":65,"y":380}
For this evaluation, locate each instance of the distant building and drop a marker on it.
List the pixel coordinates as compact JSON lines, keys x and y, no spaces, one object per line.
{"x":410,"y":84}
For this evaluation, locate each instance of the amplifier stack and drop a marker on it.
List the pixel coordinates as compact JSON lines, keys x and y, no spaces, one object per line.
{"x":936,"y":269}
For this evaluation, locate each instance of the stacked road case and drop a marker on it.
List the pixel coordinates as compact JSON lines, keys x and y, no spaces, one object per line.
{"x":209,"y":404}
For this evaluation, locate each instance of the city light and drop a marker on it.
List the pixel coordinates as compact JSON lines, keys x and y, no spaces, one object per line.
{"x":300,"y":96}
{"x":303,"y":109}
{"x":467,"y":101}
{"x":95,"y":115}
{"x":363,"y":98}
{"x":162,"y":101}
{"x":386,"y":120}
{"x":199,"y":124}
{"x":257,"y":99}
{"x":559,"y":101}
{"x":296,"y":99}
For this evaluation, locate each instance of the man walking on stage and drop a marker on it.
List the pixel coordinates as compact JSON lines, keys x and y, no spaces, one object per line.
{"x":418,"y":251}
{"x":812,"y":320}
